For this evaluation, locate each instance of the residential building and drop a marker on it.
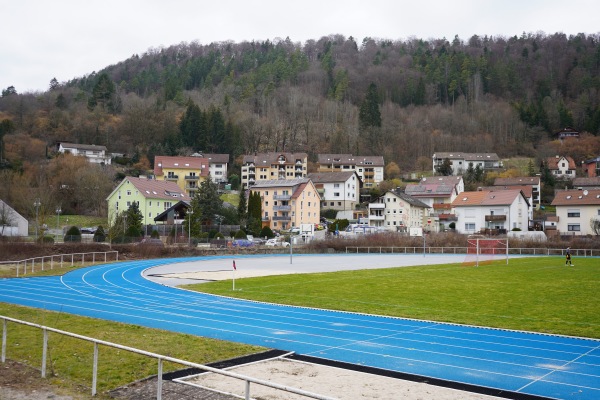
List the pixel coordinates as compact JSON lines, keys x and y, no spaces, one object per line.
{"x":11,"y":222}
{"x":369,"y":168}
{"x":591,"y":168}
{"x":587,"y":183}
{"x":576,"y":209}
{"x":532,"y":182}
{"x":460,"y":161}
{"x":217,"y":166}
{"x":338,"y":190}
{"x":561,"y":166}
{"x":396,"y":211}
{"x":153,"y":197}
{"x":491,"y":211}
{"x":287,"y":203}
{"x":566,"y":133}
{"x":187,"y":172}
{"x":438,"y":192}
{"x":273,"y":166}
{"x":94,"y":154}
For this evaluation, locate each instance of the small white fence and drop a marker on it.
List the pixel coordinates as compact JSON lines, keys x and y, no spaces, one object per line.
{"x":160,"y":358}
{"x":59,"y":260}
{"x":463,"y":250}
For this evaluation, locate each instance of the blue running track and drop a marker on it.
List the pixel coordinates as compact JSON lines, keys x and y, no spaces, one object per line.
{"x":522,"y":363}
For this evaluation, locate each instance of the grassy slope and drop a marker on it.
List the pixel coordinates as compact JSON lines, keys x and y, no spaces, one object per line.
{"x":533,"y":294}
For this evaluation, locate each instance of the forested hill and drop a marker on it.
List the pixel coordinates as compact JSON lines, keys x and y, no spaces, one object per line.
{"x":400,"y":99}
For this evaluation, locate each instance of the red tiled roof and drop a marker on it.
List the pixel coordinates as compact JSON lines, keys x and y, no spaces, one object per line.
{"x":552,"y":162}
{"x":191,"y":163}
{"x":155,"y":189}
{"x":577,"y":197}
{"x":486,"y":198}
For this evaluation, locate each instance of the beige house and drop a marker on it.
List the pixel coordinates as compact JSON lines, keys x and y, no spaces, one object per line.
{"x":217,"y":165}
{"x":576,"y":210}
{"x":187,"y":172}
{"x":369,"y":168}
{"x":273,"y":166}
{"x":287,"y":203}
{"x":338,"y":190}
{"x":397,"y":212}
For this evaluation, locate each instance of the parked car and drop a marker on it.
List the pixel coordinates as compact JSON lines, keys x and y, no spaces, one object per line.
{"x":242,"y":243}
{"x":275,"y":242}
{"x":151,"y":242}
{"x":295,"y":230}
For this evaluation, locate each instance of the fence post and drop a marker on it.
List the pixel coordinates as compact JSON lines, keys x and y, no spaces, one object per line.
{"x":247,"y":397}
{"x":95,"y":369}
{"x":4,"y":331}
{"x":94,"y":258}
{"x":159,"y":380}
{"x":43,"y":262}
{"x":71,"y":260}
{"x":44,"y":352}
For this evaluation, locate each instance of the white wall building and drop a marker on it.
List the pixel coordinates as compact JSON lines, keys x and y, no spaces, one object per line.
{"x":575,"y":211}
{"x":397,"y":212}
{"x":460,"y":161}
{"x":11,"y":222}
{"x":338,"y":190}
{"x":502,"y":210}
{"x":94,"y":154}
{"x":370,"y":169}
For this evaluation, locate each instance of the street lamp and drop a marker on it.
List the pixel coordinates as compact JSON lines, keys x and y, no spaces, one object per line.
{"x":37,"y":205}
{"x":58,"y":211}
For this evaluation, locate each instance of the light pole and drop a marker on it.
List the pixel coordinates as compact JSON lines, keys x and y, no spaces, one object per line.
{"x":58,"y":211}
{"x":37,"y":205}
{"x":190,"y":213}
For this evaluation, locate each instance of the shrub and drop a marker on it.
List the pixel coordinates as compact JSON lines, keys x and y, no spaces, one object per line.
{"x":219,"y":235}
{"x":266,"y":232}
{"x":46,"y":239}
{"x":339,"y":224}
{"x":154,"y":234}
{"x":329,"y":213}
{"x":99,"y":235}
{"x":212,"y":233}
{"x":452,"y":225}
{"x":73,"y":235}
{"x":240,"y":235}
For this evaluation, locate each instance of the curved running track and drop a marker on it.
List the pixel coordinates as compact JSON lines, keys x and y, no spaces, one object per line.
{"x":523,"y":363}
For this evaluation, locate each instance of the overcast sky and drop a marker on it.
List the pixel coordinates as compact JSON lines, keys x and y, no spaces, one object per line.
{"x":66,"y":39}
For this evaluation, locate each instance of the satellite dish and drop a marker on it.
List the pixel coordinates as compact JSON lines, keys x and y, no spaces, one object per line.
{"x":585,"y":192}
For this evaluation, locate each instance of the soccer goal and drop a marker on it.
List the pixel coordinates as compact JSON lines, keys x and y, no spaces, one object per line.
{"x":486,"y":250}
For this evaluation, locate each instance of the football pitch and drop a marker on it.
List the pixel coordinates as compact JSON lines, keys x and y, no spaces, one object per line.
{"x":535,"y":294}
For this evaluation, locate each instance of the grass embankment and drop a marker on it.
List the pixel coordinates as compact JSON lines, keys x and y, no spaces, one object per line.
{"x":533,"y":294}
{"x":70,"y":360}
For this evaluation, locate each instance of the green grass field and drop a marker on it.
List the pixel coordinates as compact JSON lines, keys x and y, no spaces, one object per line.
{"x":533,"y":294}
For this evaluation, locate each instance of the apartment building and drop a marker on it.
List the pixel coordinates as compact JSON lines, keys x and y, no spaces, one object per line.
{"x":370,"y":169}
{"x":273,"y":166}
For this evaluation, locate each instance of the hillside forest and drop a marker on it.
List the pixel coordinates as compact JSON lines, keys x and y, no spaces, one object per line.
{"x":402,"y":99}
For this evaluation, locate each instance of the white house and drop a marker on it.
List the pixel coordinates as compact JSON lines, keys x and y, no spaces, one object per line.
{"x":500,"y":211}
{"x":576,"y":210}
{"x":338,"y":190}
{"x":561,"y":166}
{"x":11,"y":222}
{"x":460,"y":161}
{"x":397,"y":212}
{"x":94,"y":154}
{"x":521,"y":182}
{"x":217,"y":165}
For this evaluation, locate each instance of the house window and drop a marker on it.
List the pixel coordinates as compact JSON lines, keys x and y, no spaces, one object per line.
{"x":336,"y":185}
{"x":336,"y":194}
{"x":129,"y":193}
{"x":331,"y":203}
{"x":573,"y":213}
{"x":573,"y":227}
{"x":128,"y":204}
{"x":339,"y":203}
{"x":469,"y":226}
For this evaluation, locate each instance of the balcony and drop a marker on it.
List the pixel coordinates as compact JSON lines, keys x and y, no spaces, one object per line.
{"x":377,"y":206}
{"x":191,"y":177}
{"x":282,"y":197}
{"x":282,"y":208}
{"x":171,"y":177}
{"x":440,"y":207}
{"x":282,"y":218}
{"x":191,"y":188}
{"x":376,"y":217}
{"x":266,"y":219}
{"x":495,"y":218}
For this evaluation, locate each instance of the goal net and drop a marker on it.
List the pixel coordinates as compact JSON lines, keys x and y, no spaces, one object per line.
{"x":485,"y":251}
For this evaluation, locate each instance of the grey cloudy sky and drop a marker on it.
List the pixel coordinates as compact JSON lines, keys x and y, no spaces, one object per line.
{"x":66,"y":39}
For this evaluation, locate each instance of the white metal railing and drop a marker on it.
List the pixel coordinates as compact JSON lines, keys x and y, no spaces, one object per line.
{"x":539,"y":251}
{"x":160,"y":358}
{"x":48,"y":262}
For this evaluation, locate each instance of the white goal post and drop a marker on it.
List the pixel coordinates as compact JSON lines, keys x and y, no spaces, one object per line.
{"x":479,"y":250}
